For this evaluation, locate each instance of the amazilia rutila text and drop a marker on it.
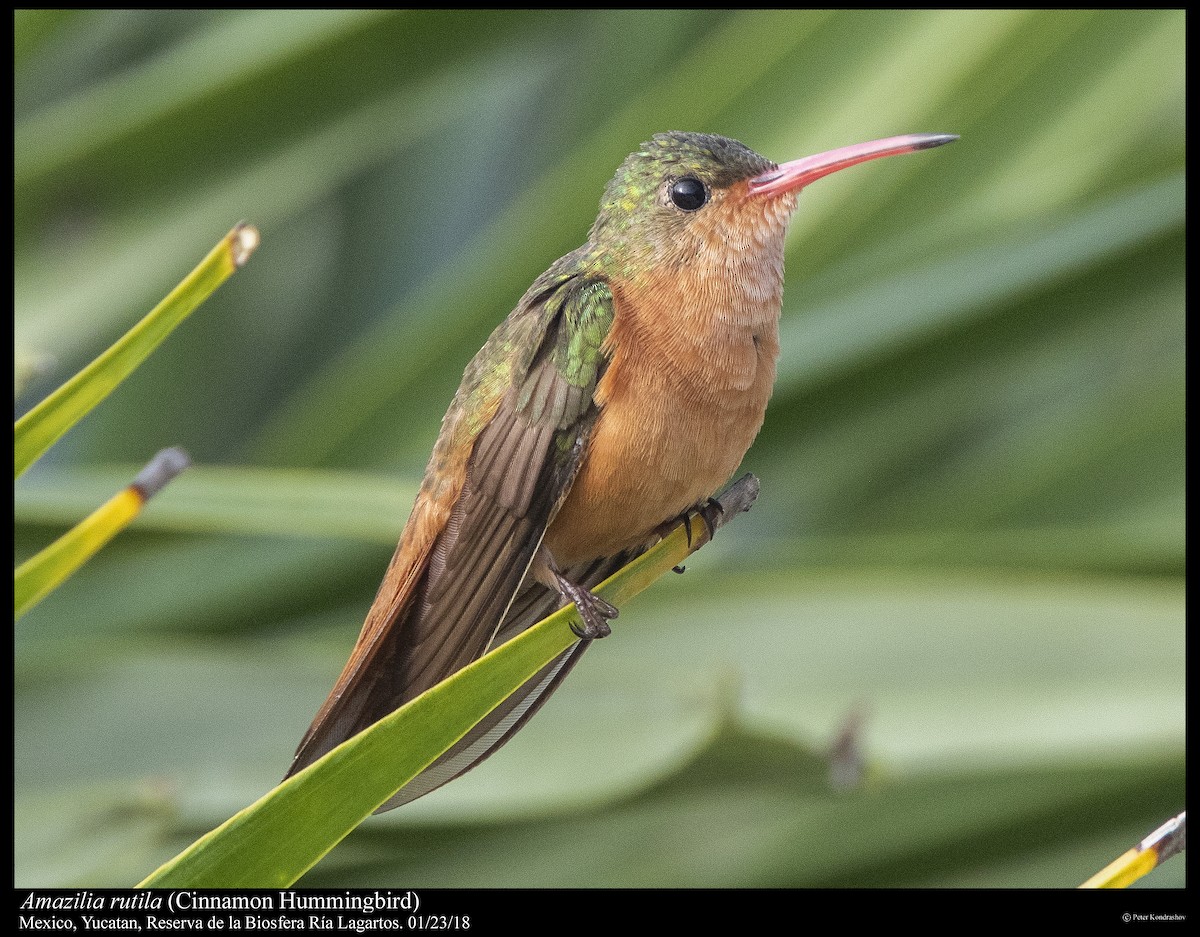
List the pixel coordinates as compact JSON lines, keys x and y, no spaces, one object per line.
{"x":622,"y":391}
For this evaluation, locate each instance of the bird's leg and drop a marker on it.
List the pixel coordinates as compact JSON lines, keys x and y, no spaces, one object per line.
{"x":594,"y":611}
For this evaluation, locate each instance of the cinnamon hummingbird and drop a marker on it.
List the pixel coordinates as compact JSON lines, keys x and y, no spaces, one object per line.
{"x":622,"y":391}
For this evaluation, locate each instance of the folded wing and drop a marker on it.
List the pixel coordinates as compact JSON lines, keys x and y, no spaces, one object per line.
{"x":508,"y":451}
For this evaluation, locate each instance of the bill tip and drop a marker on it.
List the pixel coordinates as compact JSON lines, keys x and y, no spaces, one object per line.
{"x":936,"y":139}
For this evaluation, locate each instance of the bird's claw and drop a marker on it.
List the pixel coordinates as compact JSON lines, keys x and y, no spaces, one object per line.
{"x":594,"y":611}
{"x":709,"y":511}
{"x":592,"y":630}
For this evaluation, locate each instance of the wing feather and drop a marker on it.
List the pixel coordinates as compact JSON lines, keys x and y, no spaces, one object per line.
{"x":448,"y":593}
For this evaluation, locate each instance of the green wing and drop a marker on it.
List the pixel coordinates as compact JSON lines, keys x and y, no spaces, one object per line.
{"x":520,"y":470}
{"x":542,"y":364}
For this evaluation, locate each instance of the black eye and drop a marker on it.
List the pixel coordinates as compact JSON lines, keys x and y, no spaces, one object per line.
{"x":689,"y":193}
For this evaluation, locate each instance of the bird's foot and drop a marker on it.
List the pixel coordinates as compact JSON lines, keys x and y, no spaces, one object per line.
{"x":594,"y":611}
{"x":709,"y":511}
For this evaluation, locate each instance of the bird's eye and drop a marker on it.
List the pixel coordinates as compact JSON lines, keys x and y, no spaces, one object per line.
{"x":688,"y":193}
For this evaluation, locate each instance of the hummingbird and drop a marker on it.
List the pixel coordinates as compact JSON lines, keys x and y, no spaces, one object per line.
{"x":620,"y":393}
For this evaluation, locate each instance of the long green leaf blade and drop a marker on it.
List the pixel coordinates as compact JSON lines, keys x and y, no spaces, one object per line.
{"x":42,"y":426}
{"x":277,"y":839}
{"x":38,"y":576}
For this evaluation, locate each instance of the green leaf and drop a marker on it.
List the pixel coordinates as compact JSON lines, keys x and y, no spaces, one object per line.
{"x":274,"y":841}
{"x":39,"y":575}
{"x":967,"y":668}
{"x":950,"y":291}
{"x":215,"y":58}
{"x":227,"y":499}
{"x":752,"y":811}
{"x":38,"y":429}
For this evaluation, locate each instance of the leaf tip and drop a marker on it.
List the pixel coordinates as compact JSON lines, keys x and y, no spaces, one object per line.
{"x":165,"y":465}
{"x":243,"y":241}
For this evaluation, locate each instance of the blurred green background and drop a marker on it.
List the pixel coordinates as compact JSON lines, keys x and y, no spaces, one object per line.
{"x":970,"y":535}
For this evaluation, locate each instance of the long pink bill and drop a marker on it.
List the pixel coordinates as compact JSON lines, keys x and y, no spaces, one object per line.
{"x":795,"y":175}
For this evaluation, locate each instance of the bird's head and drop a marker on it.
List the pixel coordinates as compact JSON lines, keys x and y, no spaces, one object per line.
{"x":683,"y":196}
